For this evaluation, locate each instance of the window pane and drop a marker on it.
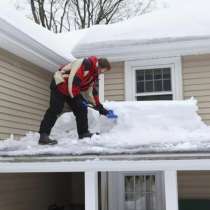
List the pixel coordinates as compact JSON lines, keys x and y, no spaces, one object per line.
{"x":129,"y":184}
{"x":141,"y":201}
{"x":167,"y":73}
{"x":166,"y":85}
{"x":140,"y":185}
{"x":153,"y":183}
{"x":150,"y":201}
{"x":157,"y":74}
{"x":144,"y":195}
{"x":149,"y":86}
{"x":153,"y":80}
{"x":140,"y":87}
{"x":158,"y":85}
{"x":130,"y":201}
{"x":140,"y":75}
{"x":150,"y":184}
{"x":154,"y":97}
{"x":149,"y":74}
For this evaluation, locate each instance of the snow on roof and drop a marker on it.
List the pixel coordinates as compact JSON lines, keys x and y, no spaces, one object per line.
{"x":170,"y":23}
{"x":35,"y":31}
{"x":142,"y":127}
{"x":182,"y":21}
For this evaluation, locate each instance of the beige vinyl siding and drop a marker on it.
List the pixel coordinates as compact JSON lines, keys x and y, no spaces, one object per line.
{"x":196,"y":82}
{"x":114,"y":83}
{"x":33,"y":191}
{"x":194,"y":185}
{"x":24,"y":95}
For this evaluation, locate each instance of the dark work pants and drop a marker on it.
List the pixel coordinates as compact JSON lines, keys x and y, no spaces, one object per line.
{"x":57,"y":101}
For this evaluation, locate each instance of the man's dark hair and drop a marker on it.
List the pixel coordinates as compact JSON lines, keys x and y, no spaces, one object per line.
{"x":104,"y":63}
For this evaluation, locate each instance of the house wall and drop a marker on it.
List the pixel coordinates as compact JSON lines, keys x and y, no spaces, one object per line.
{"x":196,"y":80}
{"x":114,"y":83}
{"x":194,"y":185}
{"x":34,"y":191}
{"x":24,"y":95}
{"x":196,"y":77}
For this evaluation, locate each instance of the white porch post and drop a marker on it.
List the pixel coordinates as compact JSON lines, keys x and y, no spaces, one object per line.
{"x":171,"y":191}
{"x":91,"y":190}
{"x":101,"y":87}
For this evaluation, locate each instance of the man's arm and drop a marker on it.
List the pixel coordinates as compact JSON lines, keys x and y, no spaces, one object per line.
{"x":93,"y":98}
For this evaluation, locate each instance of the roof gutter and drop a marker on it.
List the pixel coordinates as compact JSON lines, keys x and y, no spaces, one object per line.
{"x":194,"y":164}
{"x":16,"y":42}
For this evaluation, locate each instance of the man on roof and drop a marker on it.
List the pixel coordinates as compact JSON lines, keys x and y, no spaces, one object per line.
{"x":75,"y":83}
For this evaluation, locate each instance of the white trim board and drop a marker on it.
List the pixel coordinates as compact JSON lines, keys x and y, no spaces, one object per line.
{"x":97,"y":165}
{"x":174,"y":63}
{"x":91,"y":191}
{"x":171,"y":190}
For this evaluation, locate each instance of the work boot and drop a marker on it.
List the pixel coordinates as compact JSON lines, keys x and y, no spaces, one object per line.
{"x":45,"y":140}
{"x":87,"y":135}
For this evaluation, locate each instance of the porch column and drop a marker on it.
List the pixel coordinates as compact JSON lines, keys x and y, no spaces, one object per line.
{"x":91,"y":191}
{"x":171,"y":191}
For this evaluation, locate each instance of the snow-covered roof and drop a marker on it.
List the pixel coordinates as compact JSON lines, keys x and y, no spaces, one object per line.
{"x":35,"y":31}
{"x":26,"y":39}
{"x":185,"y":26}
{"x":164,"y":24}
{"x":142,"y":127}
{"x":175,"y":24}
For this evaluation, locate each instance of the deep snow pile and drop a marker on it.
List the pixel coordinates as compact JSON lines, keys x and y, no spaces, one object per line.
{"x":181,"y":21}
{"x":158,"y":126}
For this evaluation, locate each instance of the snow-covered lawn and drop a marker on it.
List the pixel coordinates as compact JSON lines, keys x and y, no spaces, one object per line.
{"x":158,"y":126}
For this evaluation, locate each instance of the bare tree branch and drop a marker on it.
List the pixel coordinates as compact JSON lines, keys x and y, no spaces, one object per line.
{"x":64,"y":15}
{"x":33,"y":9}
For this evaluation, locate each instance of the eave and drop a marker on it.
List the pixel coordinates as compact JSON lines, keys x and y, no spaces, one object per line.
{"x":107,"y":163}
{"x":146,"y":49}
{"x":16,"y":42}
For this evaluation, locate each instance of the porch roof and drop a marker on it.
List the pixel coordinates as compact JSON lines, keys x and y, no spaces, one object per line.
{"x":158,"y":127}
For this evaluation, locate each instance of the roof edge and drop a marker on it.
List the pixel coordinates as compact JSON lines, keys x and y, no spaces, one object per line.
{"x":145,"y":49}
{"x":104,"y":165}
{"x":17,"y":42}
{"x":109,"y":157}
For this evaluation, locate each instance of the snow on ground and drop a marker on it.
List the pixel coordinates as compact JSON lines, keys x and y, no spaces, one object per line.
{"x":159,"y":126}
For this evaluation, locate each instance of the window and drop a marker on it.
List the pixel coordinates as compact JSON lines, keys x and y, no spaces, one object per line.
{"x":153,"y":84}
{"x":140,"y":192}
{"x":136,"y":191}
{"x":155,"y":79}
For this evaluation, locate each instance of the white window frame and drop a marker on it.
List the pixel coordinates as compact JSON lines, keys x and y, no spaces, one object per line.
{"x":173,"y":63}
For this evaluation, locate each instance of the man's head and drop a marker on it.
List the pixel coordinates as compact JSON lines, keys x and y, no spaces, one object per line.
{"x":103,"y":65}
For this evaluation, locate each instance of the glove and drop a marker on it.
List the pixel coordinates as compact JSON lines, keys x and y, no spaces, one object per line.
{"x":102,"y":110}
{"x":111,"y":115}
